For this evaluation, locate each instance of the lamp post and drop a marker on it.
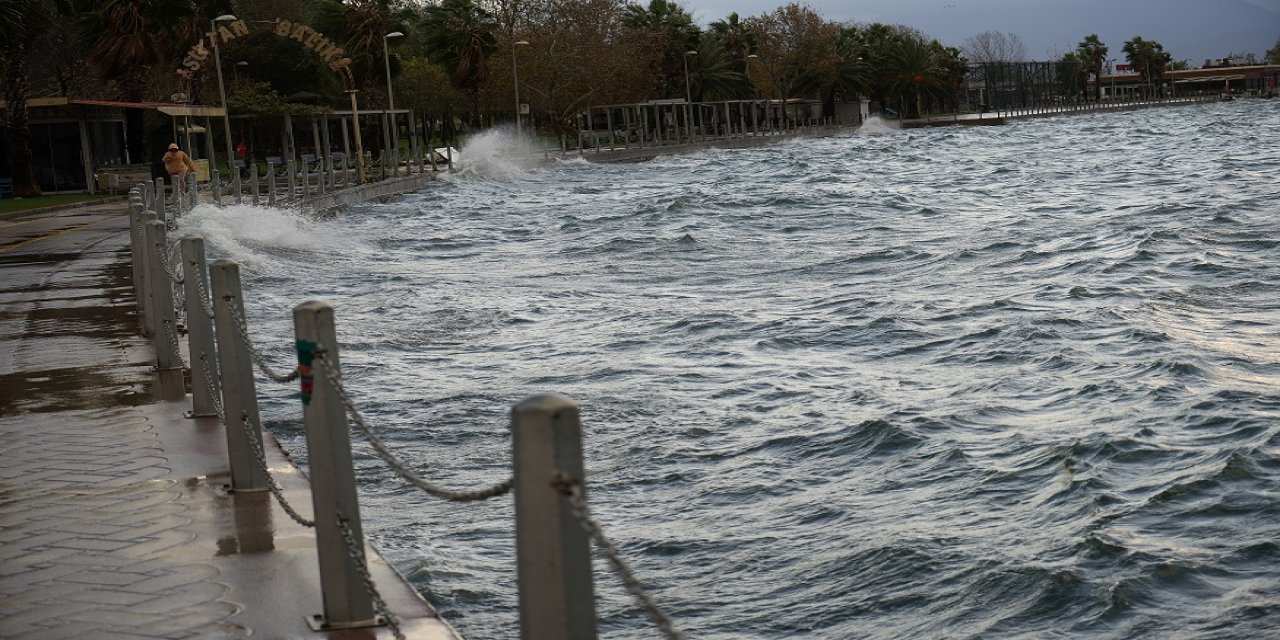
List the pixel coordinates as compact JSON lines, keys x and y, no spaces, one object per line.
{"x":386,"y":60}
{"x":222,"y":92}
{"x":688,"y":95}
{"x":1111,"y":71}
{"x":515,"y":79}
{"x":235,"y":71}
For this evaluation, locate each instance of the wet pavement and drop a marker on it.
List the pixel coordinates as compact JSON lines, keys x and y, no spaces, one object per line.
{"x":114,"y":519}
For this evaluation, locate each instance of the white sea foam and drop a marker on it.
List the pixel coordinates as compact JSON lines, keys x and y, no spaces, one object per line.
{"x":499,"y":154}
{"x":876,"y":125}
{"x":263,"y":236}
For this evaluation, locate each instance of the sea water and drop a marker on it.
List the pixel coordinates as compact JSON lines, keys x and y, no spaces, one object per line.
{"x":989,"y":382}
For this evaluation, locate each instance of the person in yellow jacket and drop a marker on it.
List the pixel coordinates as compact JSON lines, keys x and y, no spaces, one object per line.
{"x":178,"y":163}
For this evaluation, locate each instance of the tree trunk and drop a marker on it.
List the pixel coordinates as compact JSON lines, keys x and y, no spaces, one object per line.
{"x":17,"y":128}
{"x":135,"y":141}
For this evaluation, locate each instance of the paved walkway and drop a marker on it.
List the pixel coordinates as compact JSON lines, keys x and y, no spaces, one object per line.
{"x":113,"y":519}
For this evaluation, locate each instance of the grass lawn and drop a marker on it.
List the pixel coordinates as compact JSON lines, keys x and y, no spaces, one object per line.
{"x":12,"y":205}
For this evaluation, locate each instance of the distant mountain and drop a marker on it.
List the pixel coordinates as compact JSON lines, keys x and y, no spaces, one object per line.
{"x":1191,"y":30}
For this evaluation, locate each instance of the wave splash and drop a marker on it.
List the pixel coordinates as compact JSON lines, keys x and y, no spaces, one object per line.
{"x":498,"y":154}
{"x":260,"y":236}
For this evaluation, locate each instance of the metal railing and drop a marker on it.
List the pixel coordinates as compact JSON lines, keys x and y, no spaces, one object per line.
{"x":554,"y":525}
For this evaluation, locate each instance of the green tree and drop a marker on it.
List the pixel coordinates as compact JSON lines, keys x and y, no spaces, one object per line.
{"x":917,"y":69}
{"x":21,"y":23}
{"x":461,"y":35}
{"x":1074,"y":75}
{"x":736,"y":38}
{"x":1093,"y":54}
{"x":715,"y":73}
{"x":360,"y":26}
{"x":1273,"y":54}
{"x":125,"y":39}
{"x":1148,"y":58}
{"x":667,"y":32}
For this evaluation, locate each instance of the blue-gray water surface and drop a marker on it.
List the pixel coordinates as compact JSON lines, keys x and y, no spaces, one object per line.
{"x":989,"y":382}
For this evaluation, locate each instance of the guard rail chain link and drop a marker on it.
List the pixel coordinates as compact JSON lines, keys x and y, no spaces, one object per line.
{"x":171,"y":330}
{"x":208,"y":387}
{"x":334,"y":377}
{"x":243,"y":330}
{"x":356,"y":553}
{"x":255,"y":443}
{"x":204,"y":297}
{"x":572,"y":490}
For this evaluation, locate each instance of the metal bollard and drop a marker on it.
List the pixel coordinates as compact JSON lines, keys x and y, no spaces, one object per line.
{"x":306,"y":179}
{"x":346,"y":602}
{"x":148,"y":257}
{"x":237,"y":184}
{"x":172,"y":384}
{"x":290,"y":178}
{"x":135,"y":256}
{"x":271,"y":187}
{"x":204,"y":356}
{"x":217,"y":188}
{"x":239,"y":394}
{"x":160,"y":203}
{"x":553,"y":556}
{"x":253,"y":183}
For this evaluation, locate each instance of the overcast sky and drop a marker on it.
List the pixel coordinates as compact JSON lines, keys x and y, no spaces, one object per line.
{"x":1189,"y":29}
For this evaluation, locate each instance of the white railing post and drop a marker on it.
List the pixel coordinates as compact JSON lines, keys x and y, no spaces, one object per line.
{"x":253,"y":183}
{"x":553,"y":555}
{"x":136,"y":206}
{"x":161,"y":204}
{"x":239,"y":393}
{"x":347,"y":603}
{"x":203,"y":354}
{"x":148,"y":277}
{"x":172,"y":384}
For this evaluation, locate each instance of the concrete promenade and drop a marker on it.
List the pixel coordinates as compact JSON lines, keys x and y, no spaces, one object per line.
{"x":113,"y":519}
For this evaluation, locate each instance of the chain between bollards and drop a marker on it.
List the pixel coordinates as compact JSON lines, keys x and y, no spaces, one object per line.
{"x":261,"y":457}
{"x":326,"y":368}
{"x":356,"y":553}
{"x":266,"y":369}
{"x":578,"y":503}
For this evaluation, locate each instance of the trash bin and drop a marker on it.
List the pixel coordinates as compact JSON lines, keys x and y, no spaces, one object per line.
{"x":202,"y":170}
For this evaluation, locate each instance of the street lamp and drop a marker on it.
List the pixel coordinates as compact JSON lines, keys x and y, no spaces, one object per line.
{"x":386,"y":60}
{"x":688,"y":95}
{"x":236,"y":72}
{"x":1111,"y":72}
{"x":515,"y":78}
{"x":222,"y":92}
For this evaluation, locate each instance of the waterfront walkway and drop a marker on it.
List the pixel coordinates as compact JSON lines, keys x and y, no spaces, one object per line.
{"x":114,"y":522}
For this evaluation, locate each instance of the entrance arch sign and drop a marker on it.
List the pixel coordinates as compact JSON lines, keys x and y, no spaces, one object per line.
{"x":329,"y":51}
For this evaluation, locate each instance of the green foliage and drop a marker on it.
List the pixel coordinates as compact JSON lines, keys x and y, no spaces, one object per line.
{"x":1093,"y":54}
{"x":667,"y":33}
{"x":1148,"y":58}
{"x":461,"y":35}
{"x":715,"y":73}
{"x":424,"y":86}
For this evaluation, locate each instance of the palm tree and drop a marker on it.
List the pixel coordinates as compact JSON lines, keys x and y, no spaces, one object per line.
{"x":1092,"y":54}
{"x":736,"y":37}
{"x":461,"y":35}
{"x":913,"y":69}
{"x":669,"y":32}
{"x":125,"y":38}
{"x":1148,"y":58}
{"x":21,"y":22}
{"x":360,"y":25}
{"x":714,"y":72}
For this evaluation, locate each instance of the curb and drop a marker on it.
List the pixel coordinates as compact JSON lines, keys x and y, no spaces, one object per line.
{"x":62,"y":207}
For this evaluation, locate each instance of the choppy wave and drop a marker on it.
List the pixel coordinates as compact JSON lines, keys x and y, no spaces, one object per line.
{"x":996,"y":382}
